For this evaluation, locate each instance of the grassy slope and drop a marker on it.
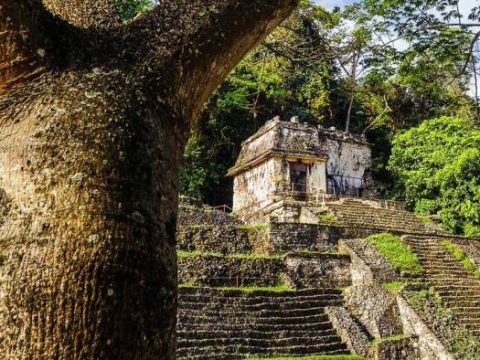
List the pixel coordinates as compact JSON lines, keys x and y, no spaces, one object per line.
{"x":397,"y":253}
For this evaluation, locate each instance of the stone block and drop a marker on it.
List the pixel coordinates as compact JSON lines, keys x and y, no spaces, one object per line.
{"x":376,"y":308}
{"x":318,"y":270}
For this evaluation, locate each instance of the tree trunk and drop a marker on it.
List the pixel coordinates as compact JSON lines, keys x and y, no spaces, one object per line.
{"x":94,"y":116}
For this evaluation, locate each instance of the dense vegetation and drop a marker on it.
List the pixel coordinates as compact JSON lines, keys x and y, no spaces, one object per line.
{"x":379,"y":67}
{"x":437,"y":165}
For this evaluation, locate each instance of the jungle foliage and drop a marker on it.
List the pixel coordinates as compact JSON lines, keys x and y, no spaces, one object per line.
{"x":437,"y":165}
{"x":379,"y":67}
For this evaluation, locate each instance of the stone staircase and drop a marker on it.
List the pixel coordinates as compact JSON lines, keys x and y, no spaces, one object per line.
{"x":457,"y":287}
{"x":353,"y":212}
{"x":232,"y":324}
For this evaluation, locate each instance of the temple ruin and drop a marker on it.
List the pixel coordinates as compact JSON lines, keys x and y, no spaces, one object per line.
{"x":292,"y":270}
{"x":290,"y":160}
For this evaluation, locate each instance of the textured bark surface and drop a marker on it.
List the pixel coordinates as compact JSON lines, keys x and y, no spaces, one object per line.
{"x":94,"y":115}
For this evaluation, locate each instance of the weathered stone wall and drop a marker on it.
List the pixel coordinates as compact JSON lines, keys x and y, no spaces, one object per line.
{"x":351,"y":332}
{"x":225,"y":239}
{"x":285,"y":237}
{"x":368,"y":265}
{"x":318,"y":270}
{"x":190,"y":213}
{"x":226,"y":271}
{"x":376,"y":308}
{"x":401,"y":349}
{"x":431,"y":348}
{"x":253,"y":189}
{"x":348,"y":158}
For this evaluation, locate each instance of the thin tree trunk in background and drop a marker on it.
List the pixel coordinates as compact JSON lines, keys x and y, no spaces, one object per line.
{"x":352,"y":92}
{"x":475,"y":79}
{"x":94,"y":116}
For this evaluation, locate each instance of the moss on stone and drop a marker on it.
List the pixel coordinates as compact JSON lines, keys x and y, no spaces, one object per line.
{"x":460,"y":255}
{"x":389,"y":338}
{"x":394,"y":286}
{"x":314,"y":357}
{"x":398,"y":254}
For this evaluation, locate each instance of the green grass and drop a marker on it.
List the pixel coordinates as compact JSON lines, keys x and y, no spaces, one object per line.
{"x":185,"y":254}
{"x":397,"y":253}
{"x":255,"y":256}
{"x":278,"y":288}
{"x":394,"y":286}
{"x":460,"y":255}
{"x":314,"y":357}
{"x":389,"y":338}
{"x":326,"y":217}
{"x":254,"y":227}
{"x":426,"y":219}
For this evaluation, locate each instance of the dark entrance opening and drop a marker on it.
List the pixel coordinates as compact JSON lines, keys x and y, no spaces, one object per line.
{"x":298,"y":176}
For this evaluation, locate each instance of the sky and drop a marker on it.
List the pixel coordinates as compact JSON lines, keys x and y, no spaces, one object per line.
{"x":465,"y":5}
{"x":330,"y":4}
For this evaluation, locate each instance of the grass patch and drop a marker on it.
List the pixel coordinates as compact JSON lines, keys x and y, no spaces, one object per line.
{"x":389,"y":338}
{"x":256,"y":256}
{"x":254,"y":227}
{"x":399,"y":255}
{"x":185,"y":254}
{"x":426,"y":219}
{"x":314,"y":357}
{"x":326,"y":217}
{"x":460,"y":255}
{"x":277,"y":288}
{"x":394,"y":286}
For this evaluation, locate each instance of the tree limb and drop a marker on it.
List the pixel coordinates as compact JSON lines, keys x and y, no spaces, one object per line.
{"x":86,"y":13}
{"x":206,"y":39}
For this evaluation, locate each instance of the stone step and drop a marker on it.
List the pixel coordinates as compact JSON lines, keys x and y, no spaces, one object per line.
{"x":188,"y":326}
{"x":260,"y":294}
{"x":253,"y":333}
{"x":259,"y":342}
{"x":328,"y":349}
{"x":311,"y":319}
{"x":254,"y":306}
{"x":250,"y":313}
{"x":252,"y":300}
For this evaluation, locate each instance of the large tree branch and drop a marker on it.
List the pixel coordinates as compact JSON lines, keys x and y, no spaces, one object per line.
{"x":86,"y":13}
{"x":206,"y":39}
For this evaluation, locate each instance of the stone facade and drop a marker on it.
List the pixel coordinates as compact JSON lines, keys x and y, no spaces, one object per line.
{"x":351,"y":332}
{"x":318,"y":270}
{"x":376,"y":308}
{"x":397,"y":349}
{"x":289,"y":160}
{"x":225,"y":271}
{"x":367,"y":264}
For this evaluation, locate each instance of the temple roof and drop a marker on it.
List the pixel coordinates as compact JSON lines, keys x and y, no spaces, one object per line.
{"x":289,"y":139}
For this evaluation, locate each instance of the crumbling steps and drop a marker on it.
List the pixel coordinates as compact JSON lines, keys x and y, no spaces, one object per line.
{"x":230,"y":324}
{"x":359,"y":213}
{"x":458,"y":288}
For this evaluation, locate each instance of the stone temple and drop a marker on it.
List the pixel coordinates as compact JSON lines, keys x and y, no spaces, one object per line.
{"x":289,"y":160}
{"x":292,"y":271}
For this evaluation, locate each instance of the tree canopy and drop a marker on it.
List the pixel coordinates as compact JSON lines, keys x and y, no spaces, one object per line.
{"x":438,"y":169}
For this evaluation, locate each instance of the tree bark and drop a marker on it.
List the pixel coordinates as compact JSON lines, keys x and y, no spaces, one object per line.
{"x":94,"y":116}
